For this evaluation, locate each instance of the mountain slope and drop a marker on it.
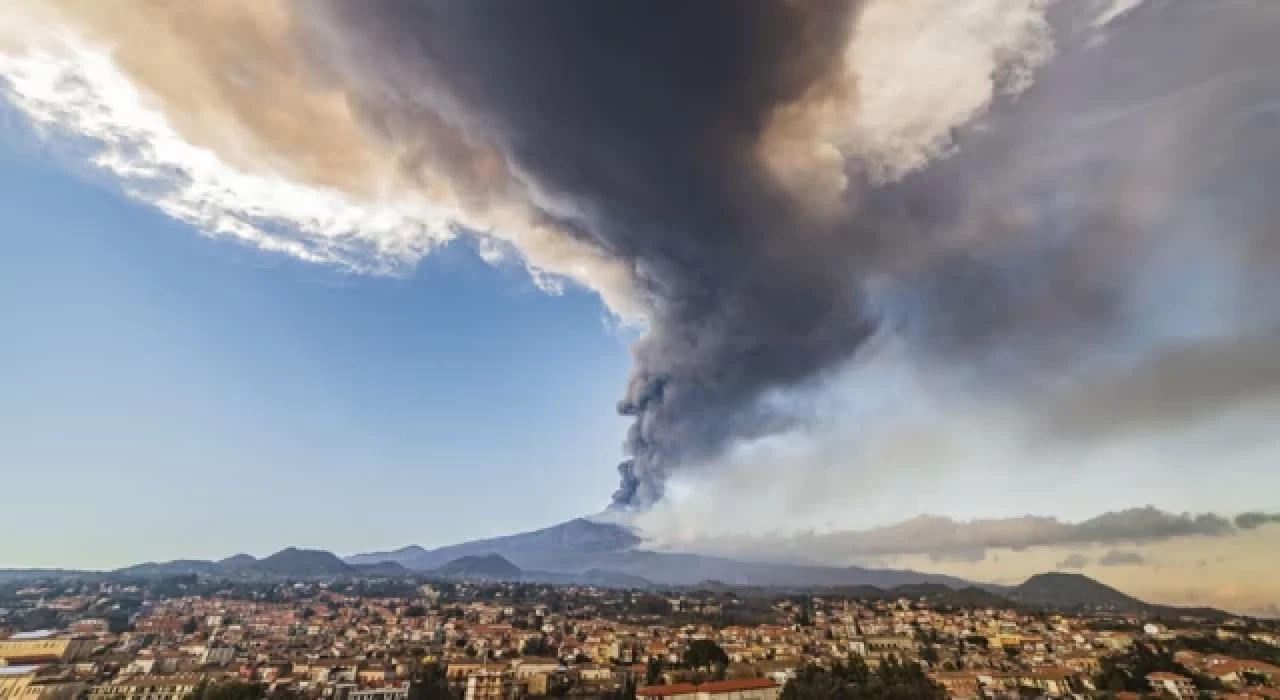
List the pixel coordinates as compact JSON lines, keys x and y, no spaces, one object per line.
{"x":580,"y":546}
{"x":237,"y":561}
{"x":382,"y":568}
{"x":1059,"y":589}
{"x":1078,"y":592}
{"x":286,"y":562}
{"x":302,"y":562}
{"x":178,"y":567}
{"x":400,"y":556}
{"x":488,"y":567}
{"x":549,"y":548}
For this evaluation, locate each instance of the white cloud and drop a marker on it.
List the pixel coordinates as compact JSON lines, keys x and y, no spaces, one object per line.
{"x":1114,"y":9}
{"x":924,"y":67}
{"x":71,"y":89}
{"x":71,"y":85}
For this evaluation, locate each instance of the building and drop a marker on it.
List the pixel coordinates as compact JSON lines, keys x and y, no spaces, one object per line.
{"x":15,"y":679}
{"x":148,"y":688}
{"x":1053,"y":682}
{"x":876,"y":648}
{"x":39,"y":683}
{"x":218,"y":656}
{"x":1172,"y":683}
{"x":490,"y":685}
{"x":741,"y":689}
{"x":42,"y":648}
{"x":458,"y":671}
{"x":959,"y":684}
{"x":536,"y":673}
{"x":390,"y":692}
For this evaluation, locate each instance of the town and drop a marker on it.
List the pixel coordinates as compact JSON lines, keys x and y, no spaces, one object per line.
{"x":186,"y":637}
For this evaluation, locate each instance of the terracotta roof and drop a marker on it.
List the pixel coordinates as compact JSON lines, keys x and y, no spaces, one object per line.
{"x":713,"y":687}
{"x":664,"y":690}
{"x":737,"y":684}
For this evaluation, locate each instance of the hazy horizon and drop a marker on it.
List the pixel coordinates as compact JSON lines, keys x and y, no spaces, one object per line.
{"x":981,"y":288}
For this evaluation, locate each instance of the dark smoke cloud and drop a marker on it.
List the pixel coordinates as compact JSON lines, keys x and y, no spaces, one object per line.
{"x":1118,"y":557}
{"x":647,"y":117}
{"x":638,"y":129}
{"x":943,"y":538}
{"x":1173,"y":387}
{"x":1254,"y":520}
{"x":1075,"y":561}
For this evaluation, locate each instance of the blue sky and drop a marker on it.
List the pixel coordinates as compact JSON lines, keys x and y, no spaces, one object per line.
{"x":169,"y":395}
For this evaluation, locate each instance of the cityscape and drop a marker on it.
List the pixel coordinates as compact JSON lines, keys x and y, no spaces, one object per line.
{"x":377,"y":637}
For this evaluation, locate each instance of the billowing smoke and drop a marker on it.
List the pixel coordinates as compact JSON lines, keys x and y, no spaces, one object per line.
{"x":1068,"y":202}
{"x":733,"y":157}
{"x":640,"y":127}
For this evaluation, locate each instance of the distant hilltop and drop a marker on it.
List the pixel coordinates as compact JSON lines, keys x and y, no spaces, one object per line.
{"x":587,"y":552}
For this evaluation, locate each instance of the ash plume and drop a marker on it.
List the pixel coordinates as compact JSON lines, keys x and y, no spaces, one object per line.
{"x":687,"y":141}
{"x":1064,"y":203}
{"x":1254,"y":520}
{"x":640,"y":125}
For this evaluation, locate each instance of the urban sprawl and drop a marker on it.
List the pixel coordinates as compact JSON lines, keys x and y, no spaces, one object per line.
{"x":186,"y":638}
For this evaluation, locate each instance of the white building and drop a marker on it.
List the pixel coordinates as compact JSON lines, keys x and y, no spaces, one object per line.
{"x":490,"y":685}
{"x":395,"y":692}
{"x":220,"y":656}
{"x":1172,"y":683}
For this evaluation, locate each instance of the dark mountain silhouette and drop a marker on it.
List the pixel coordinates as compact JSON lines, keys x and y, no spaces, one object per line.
{"x":1077,"y":592}
{"x":1057,"y":589}
{"x":540,"y":549}
{"x":302,"y":562}
{"x":7,"y":575}
{"x":177,"y":567}
{"x":609,"y":555}
{"x":237,"y":561}
{"x":581,"y":545}
{"x":487,"y":567}
{"x":382,"y":568}
{"x":401,"y":556}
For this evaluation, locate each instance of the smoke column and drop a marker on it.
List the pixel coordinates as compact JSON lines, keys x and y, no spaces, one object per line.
{"x":1016,"y":189}
{"x":645,"y":122}
{"x":738,"y":159}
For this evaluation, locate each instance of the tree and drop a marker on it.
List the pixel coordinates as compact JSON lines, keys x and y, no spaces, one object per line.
{"x":653,"y":673}
{"x":118,"y":623}
{"x":559,"y":685}
{"x":854,"y":680}
{"x":1128,"y":671}
{"x":804,"y":617}
{"x":228,"y":690}
{"x":536,"y":646}
{"x":626,"y":692}
{"x":704,"y":653}
{"x":190,"y":626}
{"x":430,"y":682}
{"x":284,"y":693}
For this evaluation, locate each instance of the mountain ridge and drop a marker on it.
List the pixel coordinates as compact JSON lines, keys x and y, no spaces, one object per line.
{"x":290,"y":561}
{"x":581,"y":545}
{"x":590,"y":552}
